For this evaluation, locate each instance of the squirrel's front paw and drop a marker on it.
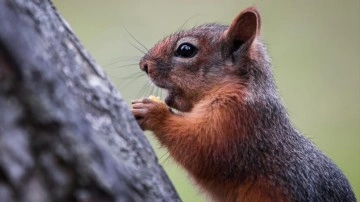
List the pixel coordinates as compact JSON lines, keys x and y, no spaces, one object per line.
{"x":149,"y":113}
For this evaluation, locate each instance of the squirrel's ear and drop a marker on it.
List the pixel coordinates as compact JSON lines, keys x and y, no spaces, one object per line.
{"x":244,"y":28}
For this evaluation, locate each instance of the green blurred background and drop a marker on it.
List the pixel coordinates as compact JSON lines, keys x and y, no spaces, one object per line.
{"x":315,"y":47}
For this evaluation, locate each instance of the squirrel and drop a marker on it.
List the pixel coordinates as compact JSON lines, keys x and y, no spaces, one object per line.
{"x":231,"y":131}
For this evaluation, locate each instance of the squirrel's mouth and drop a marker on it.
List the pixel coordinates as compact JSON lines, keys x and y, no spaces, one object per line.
{"x":170,"y":98}
{"x":171,"y":95}
{"x":175,"y":98}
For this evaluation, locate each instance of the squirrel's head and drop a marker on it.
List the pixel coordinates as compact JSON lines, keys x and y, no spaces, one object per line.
{"x":189,"y":63}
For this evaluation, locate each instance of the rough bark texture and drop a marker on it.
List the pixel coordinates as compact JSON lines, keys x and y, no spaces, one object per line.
{"x":65,"y":132}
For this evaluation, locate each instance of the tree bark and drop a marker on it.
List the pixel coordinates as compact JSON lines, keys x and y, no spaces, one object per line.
{"x":65,"y":132}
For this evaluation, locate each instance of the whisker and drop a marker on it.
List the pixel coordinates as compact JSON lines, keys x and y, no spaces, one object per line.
{"x":131,"y":76}
{"x":162,"y":156}
{"x":167,"y":158}
{"x":127,"y":65}
{"x":133,"y":37}
{"x":161,"y":93}
{"x":129,"y":79}
{"x":156,"y":91}
{"x":182,"y":26}
{"x":152,"y":88}
{"x":142,"y":90}
{"x":147,"y":89}
{"x":120,"y":61}
{"x":137,"y":48}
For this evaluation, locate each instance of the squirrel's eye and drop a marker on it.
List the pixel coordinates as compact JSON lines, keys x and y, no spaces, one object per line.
{"x":186,"y":50}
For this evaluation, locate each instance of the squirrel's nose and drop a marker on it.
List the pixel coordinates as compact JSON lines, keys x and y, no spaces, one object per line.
{"x":144,"y":66}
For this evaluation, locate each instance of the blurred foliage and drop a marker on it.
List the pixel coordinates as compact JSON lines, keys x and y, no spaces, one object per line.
{"x":315,"y":46}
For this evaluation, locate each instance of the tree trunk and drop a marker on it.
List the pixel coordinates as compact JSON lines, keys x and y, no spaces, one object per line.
{"x":65,"y":132}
